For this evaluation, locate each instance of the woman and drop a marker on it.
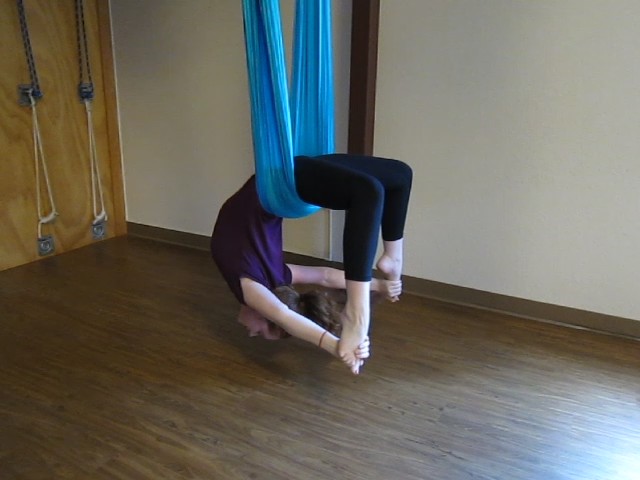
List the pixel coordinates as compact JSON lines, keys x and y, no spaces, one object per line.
{"x":247,"y":247}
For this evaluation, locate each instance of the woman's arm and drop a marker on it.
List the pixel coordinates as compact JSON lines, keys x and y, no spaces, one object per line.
{"x":333,"y":278}
{"x":262,"y":300}
{"x":323,"y":276}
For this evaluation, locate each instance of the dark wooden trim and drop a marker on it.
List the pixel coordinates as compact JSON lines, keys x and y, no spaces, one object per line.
{"x":364,"y":64}
{"x":111,"y":108}
{"x":174,"y":237}
{"x":519,"y":307}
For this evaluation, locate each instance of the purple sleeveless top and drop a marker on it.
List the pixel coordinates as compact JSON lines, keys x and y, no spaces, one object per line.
{"x":247,"y":242}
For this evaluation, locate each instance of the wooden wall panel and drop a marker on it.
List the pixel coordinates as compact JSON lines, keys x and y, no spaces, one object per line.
{"x":63,"y":127}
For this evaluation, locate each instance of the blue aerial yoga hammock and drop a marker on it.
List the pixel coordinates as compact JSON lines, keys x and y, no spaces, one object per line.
{"x":284,"y":126}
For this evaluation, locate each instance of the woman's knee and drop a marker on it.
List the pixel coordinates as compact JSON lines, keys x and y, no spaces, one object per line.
{"x":404,"y":171}
{"x":368,"y":188}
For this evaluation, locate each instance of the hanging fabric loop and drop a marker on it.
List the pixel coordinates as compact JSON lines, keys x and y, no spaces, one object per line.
{"x":312,"y":91}
{"x":281,"y":131}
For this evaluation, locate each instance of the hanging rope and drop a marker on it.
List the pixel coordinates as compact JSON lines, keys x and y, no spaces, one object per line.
{"x":30,"y":94}
{"x":281,"y":131}
{"x":85,"y":91}
{"x":38,"y":155}
{"x":26,"y":41}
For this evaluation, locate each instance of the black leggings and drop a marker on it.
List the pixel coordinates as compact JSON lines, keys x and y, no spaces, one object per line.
{"x":373,"y":191}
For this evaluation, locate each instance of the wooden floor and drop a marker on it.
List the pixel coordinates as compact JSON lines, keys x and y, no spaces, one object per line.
{"x":123,"y":360}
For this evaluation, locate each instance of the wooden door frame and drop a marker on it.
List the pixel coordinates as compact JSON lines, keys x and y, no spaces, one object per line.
{"x":111,"y":108}
{"x":364,"y":65}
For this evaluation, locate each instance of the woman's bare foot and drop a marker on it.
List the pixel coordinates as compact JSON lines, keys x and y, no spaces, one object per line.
{"x":360,"y":354}
{"x":390,"y":267}
{"x":391,"y":289}
{"x":390,"y":263}
{"x":355,"y":320}
{"x":330,"y":344}
{"x":354,"y":334}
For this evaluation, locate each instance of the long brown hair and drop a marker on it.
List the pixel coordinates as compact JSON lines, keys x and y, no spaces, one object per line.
{"x":321,"y":306}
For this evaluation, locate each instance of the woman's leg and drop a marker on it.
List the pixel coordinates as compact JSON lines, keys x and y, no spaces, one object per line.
{"x":335,"y":186}
{"x":396,"y":179}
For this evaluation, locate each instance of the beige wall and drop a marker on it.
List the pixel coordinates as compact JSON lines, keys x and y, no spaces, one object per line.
{"x":521,"y":121}
{"x":519,"y":118}
{"x":184,"y":110}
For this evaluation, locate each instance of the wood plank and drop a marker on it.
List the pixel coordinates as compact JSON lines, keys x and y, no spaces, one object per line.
{"x":123,"y":360}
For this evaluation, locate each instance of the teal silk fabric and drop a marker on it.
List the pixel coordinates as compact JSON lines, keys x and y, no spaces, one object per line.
{"x":286,"y":125}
